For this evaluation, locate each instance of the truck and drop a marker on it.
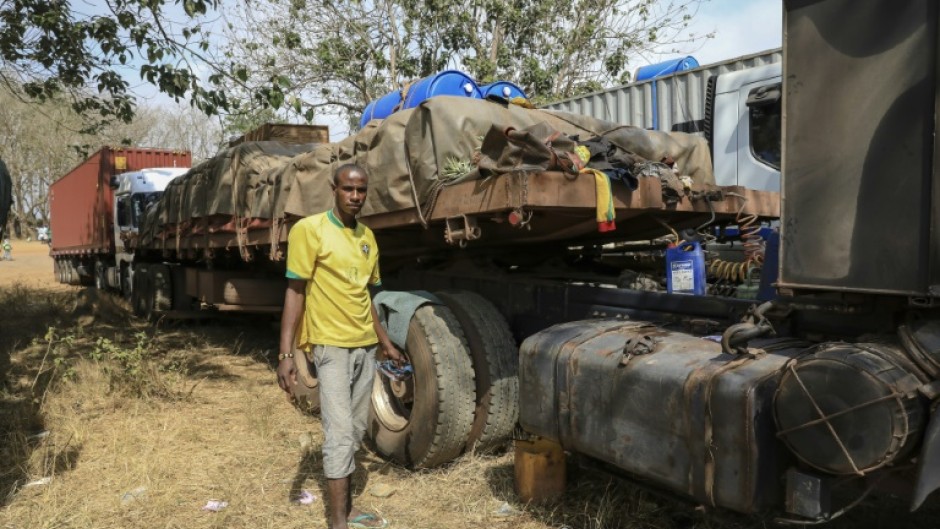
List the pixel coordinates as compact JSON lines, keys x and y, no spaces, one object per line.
{"x":805,"y":383}
{"x":734,"y":104}
{"x":94,"y":208}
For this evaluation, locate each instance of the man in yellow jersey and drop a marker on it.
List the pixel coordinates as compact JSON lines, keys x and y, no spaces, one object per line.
{"x":331,"y":260}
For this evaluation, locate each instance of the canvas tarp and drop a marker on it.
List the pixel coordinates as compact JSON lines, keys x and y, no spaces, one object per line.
{"x":404,"y":155}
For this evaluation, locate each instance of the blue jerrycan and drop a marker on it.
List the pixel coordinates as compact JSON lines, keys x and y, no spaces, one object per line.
{"x":685,"y":269}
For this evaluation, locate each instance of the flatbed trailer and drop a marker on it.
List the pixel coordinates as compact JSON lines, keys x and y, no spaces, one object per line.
{"x":562,"y":212}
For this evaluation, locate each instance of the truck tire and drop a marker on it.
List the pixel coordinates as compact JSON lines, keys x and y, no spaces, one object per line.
{"x":495,"y":358}
{"x":305,"y":387}
{"x":101,"y":280}
{"x":141,"y":292}
{"x":161,"y":288}
{"x":426,"y":423}
{"x":73,"y":277}
{"x":127,"y":285}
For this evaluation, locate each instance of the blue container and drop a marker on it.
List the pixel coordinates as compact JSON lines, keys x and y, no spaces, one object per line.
{"x":685,"y":269}
{"x":661,"y":69}
{"x":380,"y":108}
{"x":503,"y":89}
{"x":446,"y":83}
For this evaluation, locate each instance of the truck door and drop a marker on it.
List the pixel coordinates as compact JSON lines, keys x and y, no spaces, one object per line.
{"x":759,"y":133}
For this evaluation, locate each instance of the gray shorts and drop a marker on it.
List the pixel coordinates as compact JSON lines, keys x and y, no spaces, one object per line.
{"x":345,"y":376}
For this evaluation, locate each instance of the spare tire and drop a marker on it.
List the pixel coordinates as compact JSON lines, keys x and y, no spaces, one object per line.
{"x":424,"y":421}
{"x":495,"y":358}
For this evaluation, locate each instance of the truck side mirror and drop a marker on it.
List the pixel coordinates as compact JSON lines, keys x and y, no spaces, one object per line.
{"x":114,"y":182}
{"x":764,"y":95}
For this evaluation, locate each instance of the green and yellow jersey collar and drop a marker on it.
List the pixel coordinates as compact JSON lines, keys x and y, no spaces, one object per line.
{"x":338,"y":223}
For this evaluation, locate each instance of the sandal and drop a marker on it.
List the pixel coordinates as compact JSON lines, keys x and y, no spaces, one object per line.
{"x":367,"y":521}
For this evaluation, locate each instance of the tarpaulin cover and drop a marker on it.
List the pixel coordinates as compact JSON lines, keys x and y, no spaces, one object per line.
{"x":404,"y":155}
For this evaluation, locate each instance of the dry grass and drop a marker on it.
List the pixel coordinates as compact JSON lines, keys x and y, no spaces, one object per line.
{"x":145,"y":424}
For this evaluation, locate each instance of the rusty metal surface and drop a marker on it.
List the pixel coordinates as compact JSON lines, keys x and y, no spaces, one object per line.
{"x":859,"y":169}
{"x":683,"y":417}
{"x":553,"y":190}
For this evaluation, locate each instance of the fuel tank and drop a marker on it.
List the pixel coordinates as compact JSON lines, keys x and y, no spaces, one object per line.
{"x":668,"y":408}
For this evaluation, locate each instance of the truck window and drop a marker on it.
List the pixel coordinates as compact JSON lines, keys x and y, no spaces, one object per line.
{"x":763,"y":105}
{"x":141,"y":202}
{"x":123,"y":211}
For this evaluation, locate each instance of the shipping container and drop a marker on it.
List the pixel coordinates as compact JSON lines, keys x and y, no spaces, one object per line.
{"x":673,"y":103}
{"x":81,"y":202}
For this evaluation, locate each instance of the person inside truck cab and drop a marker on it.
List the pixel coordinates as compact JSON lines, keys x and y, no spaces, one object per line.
{"x":328,"y":315}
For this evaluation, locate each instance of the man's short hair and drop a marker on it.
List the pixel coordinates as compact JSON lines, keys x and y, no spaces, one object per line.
{"x":347,"y":167}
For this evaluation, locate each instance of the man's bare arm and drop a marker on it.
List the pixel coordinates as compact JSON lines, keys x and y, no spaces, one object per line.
{"x":294,"y":297}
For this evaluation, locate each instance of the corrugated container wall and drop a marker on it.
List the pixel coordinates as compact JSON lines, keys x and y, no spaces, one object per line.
{"x":81,"y":202}
{"x":680,"y":97}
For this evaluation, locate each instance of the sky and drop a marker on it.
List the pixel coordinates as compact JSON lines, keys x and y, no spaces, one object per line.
{"x":741,"y":27}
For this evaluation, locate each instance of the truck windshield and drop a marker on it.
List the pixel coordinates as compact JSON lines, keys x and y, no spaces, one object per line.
{"x":140,"y":203}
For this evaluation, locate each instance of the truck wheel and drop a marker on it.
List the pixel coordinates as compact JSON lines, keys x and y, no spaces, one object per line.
{"x":424,"y":421}
{"x":57,"y":270}
{"x":74,"y":278}
{"x":305,"y":387}
{"x":101,"y":282}
{"x":162,"y":289}
{"x":141,"y":293}
{"x":127,"y":286}
{"x":495,"y":359}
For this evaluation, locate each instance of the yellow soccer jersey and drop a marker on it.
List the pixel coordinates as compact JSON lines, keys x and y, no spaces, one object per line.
{"x":338,"y":264}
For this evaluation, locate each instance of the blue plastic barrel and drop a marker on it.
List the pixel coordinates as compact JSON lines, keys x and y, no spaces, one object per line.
{"x":503,"y":89}
{"x":669,"y":67}
{"x":685,"y":269}
{"x":446,"y":83}
{"x":380,"y":108}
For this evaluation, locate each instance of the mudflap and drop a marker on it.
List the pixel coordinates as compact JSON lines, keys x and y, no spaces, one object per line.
{"x":928,"y":473}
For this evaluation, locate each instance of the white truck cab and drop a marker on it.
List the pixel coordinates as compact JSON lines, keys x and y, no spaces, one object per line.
{"x":745,"y":131}
{"x":134,"y":192}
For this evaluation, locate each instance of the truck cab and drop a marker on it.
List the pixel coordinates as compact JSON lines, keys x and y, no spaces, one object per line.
{"x":745,"y":129}
{"x":134,"y":193}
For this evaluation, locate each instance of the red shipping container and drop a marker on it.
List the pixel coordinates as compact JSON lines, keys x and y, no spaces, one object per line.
{"x":81,"y":202}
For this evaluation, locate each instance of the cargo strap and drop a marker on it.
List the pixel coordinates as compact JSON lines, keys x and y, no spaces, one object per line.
{"x":405,"y":88}
{"x":274,"y":252}
{"x":709,"y":476}
{"x":241,"y":236}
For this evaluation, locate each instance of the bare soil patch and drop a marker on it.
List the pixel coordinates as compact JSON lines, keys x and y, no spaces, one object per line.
{"x":31,"y":266}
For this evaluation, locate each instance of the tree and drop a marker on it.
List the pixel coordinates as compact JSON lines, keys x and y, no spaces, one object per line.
{"x":81,"y":51}
{"x":40,"y":144}
{"x":337,"y":55}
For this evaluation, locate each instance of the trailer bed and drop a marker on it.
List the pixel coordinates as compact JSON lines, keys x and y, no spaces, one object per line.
{"x":554,"y":208}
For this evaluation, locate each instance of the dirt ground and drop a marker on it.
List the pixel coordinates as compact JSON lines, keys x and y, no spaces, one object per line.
{"x":31,"y":266}
{"x":111,"y":422}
